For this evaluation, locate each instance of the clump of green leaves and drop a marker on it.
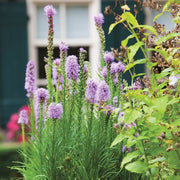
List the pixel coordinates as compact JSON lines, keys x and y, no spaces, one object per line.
{"x":154,"y":109}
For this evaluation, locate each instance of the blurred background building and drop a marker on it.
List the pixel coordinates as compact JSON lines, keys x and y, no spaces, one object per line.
{"x":23,"y":36}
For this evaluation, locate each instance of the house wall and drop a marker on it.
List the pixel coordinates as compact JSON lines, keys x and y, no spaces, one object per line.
{"x":13,"y":57}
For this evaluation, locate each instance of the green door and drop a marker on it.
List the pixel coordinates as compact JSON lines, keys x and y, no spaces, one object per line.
{"x":119,"y":33}
{"x":13,"y":57}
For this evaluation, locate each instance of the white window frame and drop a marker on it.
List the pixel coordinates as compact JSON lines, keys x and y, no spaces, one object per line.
{"x":92,"y":42}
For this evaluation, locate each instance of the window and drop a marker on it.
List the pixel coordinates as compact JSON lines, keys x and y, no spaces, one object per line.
{"x":73,"y":24}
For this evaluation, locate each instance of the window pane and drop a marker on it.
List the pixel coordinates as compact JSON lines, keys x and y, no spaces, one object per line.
{"x":169,"y":24}
{"x":42,"y":53}
{"x":77,"y":18}
{"x":42,"y":24}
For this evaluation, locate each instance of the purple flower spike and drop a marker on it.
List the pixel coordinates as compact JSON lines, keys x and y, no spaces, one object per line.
{"x":63,"y":47}
{"x":55,"y":110}
{"x":124,"y":148}
{"x":82,"y":50}
{"x":104,"y":72}
{"x":108,"y":57}
{"x":30,"y":78}
{"x":134,"y":124}
{"x":115,"y":101}
{"x":113,"y":68}
{"x":85,"y":71}
{"x":23,"y":117}
{"x":99,"y":19}
{"x":103,"y":93}
{"x":49,"y":10}
{"x":129,"y":149}
{"x":91,"y":89}
{"x":137,"y":85}
{"x":108,"y":110}
{"x":42,"y":95}
{"x":136,"y":135}
{"x":55,"y":73}
{"x":72,"y":67}
{"x":120,"y":67}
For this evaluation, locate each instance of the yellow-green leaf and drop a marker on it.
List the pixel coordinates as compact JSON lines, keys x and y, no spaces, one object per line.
{"x":165,"y":38}
{"x":111,"y":27}
{"x":129,"y":17}
{"x":133,"y":50}
{"x":137,"y":167}
{"x":129,"y":157}
{"x":118,"y":139}
{"x":131,"y":115}
{"x":150,"y":28}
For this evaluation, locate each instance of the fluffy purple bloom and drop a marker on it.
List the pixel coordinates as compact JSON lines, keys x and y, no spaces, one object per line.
{"x":49,"y":10}
{"x":137,"y":85}
{"x":23,"y":117}
{"x":124,"y":148}
{"x":82,"y":50}
{"x":99,"y":19}
{"x":108,"y":110}
{"x":103,"y":93}
{"x":113,"y":69}
{"x":30,"y":78}
{"x":42,"y":95}
{"x":63,"y":47}
{"x":108,"y":57}
{"x":104,"y":72}
{"x":91,"y":89}
{"x":136,"y":135}
{"x":134,"y":124}
{"x":121,"y":115}
{"x":115,"y":101}
{"x":72,"y":67}
{"x":55,"y":74}
{"x":129,"y":149}
{"x":120,"y":67}
{"x":55,"y":110}
{"x":85,"y":71}
{"x":115,"y":80}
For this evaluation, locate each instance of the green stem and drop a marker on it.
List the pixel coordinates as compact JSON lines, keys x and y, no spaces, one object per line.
{"x":147,"y":162}
{"x":53,"y":170}
{"x":23,"y":137}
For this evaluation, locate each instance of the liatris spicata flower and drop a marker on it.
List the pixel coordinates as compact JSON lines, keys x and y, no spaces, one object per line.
{"x":137,"y":85}
{"x":55,"y":110}
{"x":63,"y":47}
{"x":99,"y":19}
{"x":103,"y":93}
{"x":124,"y":148}
{"x":57,"y":78}
{"x":72,"y":67}
{"x":115,"y":101}
{"x":82,"y":50}
{"x":42,"y":95}
{"x":85,"y":71}
{"x":108,"y":110}
{"x":120,"y":67}
{"x":49,"y":10}
{"x":113,"y":68}
{"x":23,"y":117}
{"x":91,"y":89}
{"x":108,"y":57}
{"x":104,"y":72}
{"x":30,"y":78}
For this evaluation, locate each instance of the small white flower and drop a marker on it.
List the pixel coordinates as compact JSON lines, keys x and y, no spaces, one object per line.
{"x":173,"y":79}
